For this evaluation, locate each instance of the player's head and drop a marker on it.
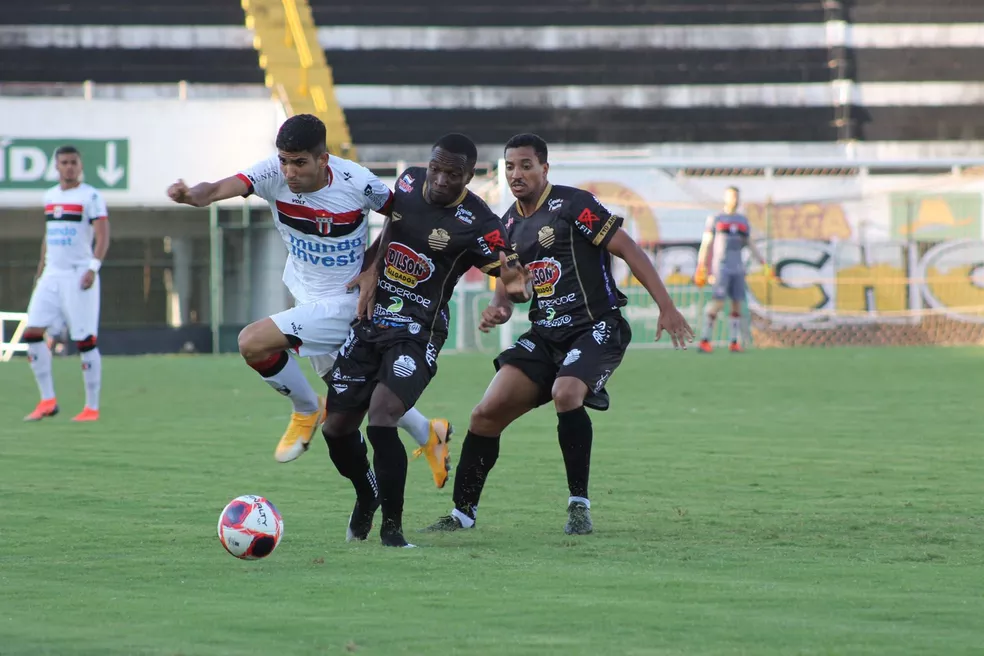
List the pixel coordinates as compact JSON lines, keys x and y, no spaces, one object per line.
{"x":68,"y":161}
{"x":526,"y":166}
{"x":451,"y":168}
{"x":731,"y":200}
{"x":303,"y":153}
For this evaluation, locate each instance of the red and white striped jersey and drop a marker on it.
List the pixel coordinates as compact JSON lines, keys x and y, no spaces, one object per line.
{"x":69,"y":215}
{"x":326,"y":232}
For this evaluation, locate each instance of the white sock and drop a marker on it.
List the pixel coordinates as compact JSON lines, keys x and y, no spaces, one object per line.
{"x":92,"y":377}
{"x":39,"y":356}
{"x":735,"y":327}
{"x":415,"y":423}
{"x":466,"y":521}
{"x":587,"y":504}
{"x":291,"y":382}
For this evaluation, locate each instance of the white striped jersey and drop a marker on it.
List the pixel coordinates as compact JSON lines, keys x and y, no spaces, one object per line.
{"x":326,"y":232}
{"x":69,"y":215}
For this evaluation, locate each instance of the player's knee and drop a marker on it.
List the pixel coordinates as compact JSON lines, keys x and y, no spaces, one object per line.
{"x":33,"y":336}
{"x":250,"y":346}
{"x":568,"y":394}
{"x":486,"y":418}
{"x":87,"y":344}
{"x":337,"y":425}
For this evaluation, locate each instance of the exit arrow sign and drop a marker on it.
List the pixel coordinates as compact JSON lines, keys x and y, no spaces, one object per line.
{"x":30,"y":163}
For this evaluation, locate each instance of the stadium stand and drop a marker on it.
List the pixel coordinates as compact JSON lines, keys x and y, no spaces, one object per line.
{"x":491,"y":69}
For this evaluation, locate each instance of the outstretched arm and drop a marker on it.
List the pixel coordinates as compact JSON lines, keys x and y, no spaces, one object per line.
{"x":206,"y":193}
{"x":642,"y":268}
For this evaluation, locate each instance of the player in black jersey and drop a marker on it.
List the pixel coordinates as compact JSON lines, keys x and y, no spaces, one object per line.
{"x":578,"y":337}
{"x":437,"y":230}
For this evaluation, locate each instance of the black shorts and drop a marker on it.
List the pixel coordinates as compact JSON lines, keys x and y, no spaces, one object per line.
{"x":590,"y":355}
{"x":405,"y":366}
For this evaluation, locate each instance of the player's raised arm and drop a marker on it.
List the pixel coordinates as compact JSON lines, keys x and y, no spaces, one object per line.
{"x":206,"y":193}
{"x":670,"y":319}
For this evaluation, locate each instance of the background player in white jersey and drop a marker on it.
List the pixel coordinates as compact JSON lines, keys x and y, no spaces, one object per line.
{"x":67,"y":287}
{"x":725,"y":237}
{"x":321,"y":206}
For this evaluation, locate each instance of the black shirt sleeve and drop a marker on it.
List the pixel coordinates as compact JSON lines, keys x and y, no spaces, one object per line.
{"x":592,"y":219}
{"x":490,"y":238}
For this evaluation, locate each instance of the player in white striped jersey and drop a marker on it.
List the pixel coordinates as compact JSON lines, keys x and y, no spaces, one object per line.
{"x":321,"y":205}
{"x":67,"y":287}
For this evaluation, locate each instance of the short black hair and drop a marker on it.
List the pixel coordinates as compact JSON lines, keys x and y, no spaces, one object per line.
{"x":459,"y":144}
{"x":67,"y":149}
{"x":303,"y":133}
{"x":531,"y":140}
{"x":734,"y":189}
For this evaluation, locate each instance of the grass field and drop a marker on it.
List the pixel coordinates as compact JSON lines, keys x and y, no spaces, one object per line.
{"x":778,"y":502}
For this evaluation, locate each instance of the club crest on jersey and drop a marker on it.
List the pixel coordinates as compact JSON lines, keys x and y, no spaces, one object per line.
{"x":546,"y":274}
{"x":438,"y":239}
{"x":406,"y":266}
{"x":464,"y":215}
{"x":554,"y":204}
{"x":546,"y":236}
{"x":58,"y":212}
{"x":406,"y":183}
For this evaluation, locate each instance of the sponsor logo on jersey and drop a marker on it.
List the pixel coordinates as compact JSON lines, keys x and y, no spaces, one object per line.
{"x":406,"y":184}
{"x":602,"y":380}
{"x":586,"y":221}
{"x":336,"y":253}
{"x":526,"y":344}
{"x":438,"y":239}
{"x":556,"y":302}
{"x":546,"y":274}
{"x":554,"y":204}
{"x":414,"y":328}
{"x":406,"y":266}
{"x":431,"y":355}
{"x":464,"y":215}
{"x":546,"y":236}
{"x":404,"y":366}
{"x":491,"y":241}
{"x":572,"y":356}
{"x":553,"y":321}
{"x":386,"y":285}
{"x":601,"y":332}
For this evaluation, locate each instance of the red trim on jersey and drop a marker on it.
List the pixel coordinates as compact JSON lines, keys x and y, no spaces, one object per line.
{"x":100,"y":218}
{"x":311,"y":214}
{"x":69,"y":209}
{"x":331,"y":176}
{"x":387,"y":207}
{"x":725,"y":226}
{"x":249,"y":185}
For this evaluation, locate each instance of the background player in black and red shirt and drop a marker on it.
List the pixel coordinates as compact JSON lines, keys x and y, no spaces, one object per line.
{"x":437,"y":230}
{"x":578,"y":337}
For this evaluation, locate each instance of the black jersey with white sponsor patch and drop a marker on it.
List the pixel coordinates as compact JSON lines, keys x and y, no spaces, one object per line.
{"x":564,"y":245}
{"x":430,"y":248}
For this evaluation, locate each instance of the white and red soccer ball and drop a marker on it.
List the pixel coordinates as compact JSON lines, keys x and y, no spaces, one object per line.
{"x":250,"y":527}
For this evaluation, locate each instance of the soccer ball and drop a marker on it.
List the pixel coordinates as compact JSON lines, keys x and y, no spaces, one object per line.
{"x":250,"y":527}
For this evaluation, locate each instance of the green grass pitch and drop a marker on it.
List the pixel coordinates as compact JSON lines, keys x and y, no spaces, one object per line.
{"x":776,"y":502}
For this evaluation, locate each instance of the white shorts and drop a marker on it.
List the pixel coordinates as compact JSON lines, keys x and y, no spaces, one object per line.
{"x":322,"y":326}
{"x":59,"y":299}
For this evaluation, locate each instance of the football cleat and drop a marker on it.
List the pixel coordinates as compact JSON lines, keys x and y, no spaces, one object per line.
{"x":578,"y":519}
{"x":360,"y":521}
{"x":87,"y":414}
{"x":436,"y":450}
{"x":391,"y":535}
{"x":45,"y":408}
{"x":704,"y":346}
{"x":446,"y":524}
{"x":300,"y":430}
{"x":736,"y":348}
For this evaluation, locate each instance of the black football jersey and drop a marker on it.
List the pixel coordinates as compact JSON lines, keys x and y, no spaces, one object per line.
{"x":564,"y":245}
{"x":430,"y":248}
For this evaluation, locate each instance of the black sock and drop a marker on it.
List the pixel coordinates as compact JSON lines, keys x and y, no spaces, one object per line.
{"x":348,"y":452}
{"x":574,"y":434}
{"x":389,"y":458}
{"x":478,"y":456}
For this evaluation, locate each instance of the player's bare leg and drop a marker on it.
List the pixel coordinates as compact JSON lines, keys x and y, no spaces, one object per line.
{"x":91,"y":376}
{"x":735,"y":346}
{"x":510,"y":395}
{"x":264,"y":347}
{"x":39,"y":355}
{"x":348,"y":452}
{"x":705,"y":338}
{"x":575,"y":434}
{"x":389,"y":460}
